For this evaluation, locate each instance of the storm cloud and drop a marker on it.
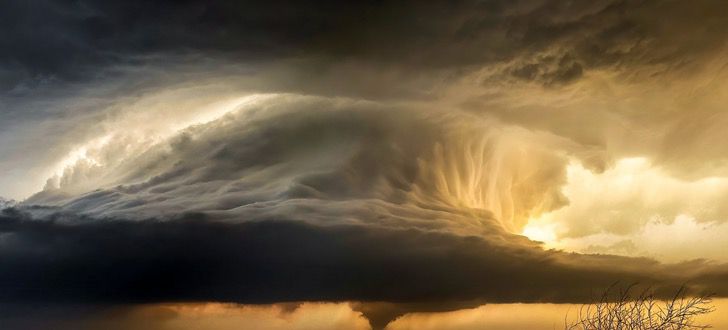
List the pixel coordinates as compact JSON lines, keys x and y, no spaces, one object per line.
{"x":391,"y":154}
{"x":67,"y":259}
{"x":296,"y":198}
{"x":89,"y":37}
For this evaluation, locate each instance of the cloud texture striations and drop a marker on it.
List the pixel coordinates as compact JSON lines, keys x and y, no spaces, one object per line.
{"x":385,"y":153}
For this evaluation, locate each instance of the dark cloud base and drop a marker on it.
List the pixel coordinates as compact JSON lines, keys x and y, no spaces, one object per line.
{"x":199,"y":259}
{"x":63,"y":261}
{"x":196,"y":259}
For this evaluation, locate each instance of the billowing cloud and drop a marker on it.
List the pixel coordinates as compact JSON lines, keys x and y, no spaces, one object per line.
{"x":386,"y":153}
{"x":635,"y":208}
{"x":293,"y":151}
{"x":294,"y":198}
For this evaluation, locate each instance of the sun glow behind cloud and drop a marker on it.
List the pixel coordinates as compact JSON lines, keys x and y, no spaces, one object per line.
{"x":637,"y":209}
{"x":617,"y":211}
{"x":541,"y":233}
{"x":391,"y":161}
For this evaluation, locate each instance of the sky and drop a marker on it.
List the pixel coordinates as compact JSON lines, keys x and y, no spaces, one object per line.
{"x":376,"y":160}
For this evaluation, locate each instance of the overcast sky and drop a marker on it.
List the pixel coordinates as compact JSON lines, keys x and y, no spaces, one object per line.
{"x":441,"y":154}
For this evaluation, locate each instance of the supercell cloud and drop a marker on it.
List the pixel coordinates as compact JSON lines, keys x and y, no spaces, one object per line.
{"x":380,"y":153}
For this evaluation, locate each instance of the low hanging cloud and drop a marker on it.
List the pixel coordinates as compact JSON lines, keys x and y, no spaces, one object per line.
{"x":307,"y":199}
{"x":385,"y":153}
{"x":73,"y":259}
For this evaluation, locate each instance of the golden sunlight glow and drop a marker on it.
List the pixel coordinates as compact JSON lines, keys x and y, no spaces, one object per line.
{"x":354,"y":165}
{"x":540,"y":232}
{"x":636,"y":209}
{"x":218,"y":316}
{"x":518,"y":317}
{"x":338,"y":316}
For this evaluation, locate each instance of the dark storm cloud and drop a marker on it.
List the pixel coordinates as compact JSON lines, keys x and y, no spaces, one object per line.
{"x":77,"y":261}
{"x":49,"y":41}
{"x":71,"y":40}
{"x":550,"y":71}
{"x":304,"y":198}
{"x":69,"y":259}
{"x":66,"y":64}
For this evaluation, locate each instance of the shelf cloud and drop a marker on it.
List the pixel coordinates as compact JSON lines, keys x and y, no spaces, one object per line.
{"x":397,"y":156}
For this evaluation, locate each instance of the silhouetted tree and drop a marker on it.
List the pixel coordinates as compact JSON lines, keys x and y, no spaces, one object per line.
{"x":624,"y":311}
